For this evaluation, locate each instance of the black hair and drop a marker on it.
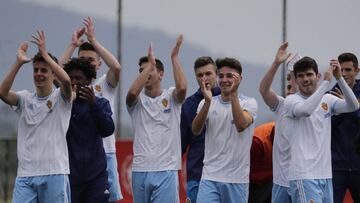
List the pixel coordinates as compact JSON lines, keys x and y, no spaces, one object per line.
{"x":159,"y":64}
{"x":38,"y":58}
{"x":229,"y":62}
{"x":348,"y":57}
{"x":86,"y":46}
{"x":203,"y":61}
{"x":83,"y":65}
{"x":304,"y":64}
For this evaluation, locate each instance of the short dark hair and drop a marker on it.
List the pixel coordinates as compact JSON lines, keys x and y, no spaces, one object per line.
{"x":86,"y":46}
{"x":83,"y":65}
{"x":305,"y":64}
{"x":348,"y":57}
{"x":159,"y":64}
{"x":229,"y":62}
{"x":203,"y":61}
{"x":38,"y":58}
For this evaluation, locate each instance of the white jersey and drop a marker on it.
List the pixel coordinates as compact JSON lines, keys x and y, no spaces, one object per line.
{"x":103,"y":89}
{"x":281,"y":147}
{"x":227,"y":152}
{"x":310,"y":139}
{"x":42,"y":148}
{"x":157,"y":143}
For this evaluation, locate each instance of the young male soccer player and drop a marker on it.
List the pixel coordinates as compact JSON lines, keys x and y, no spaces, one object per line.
{"x":308,"y":125}
{"x":344,"y":129}
{"x":155,"y":115}
{"x":90,"y":122}
{"x":43,"y":165}
{"x":281,"y":145}
{"x":229,"y":120}
{"x":205,"y":69}
{"x":104,"y":86}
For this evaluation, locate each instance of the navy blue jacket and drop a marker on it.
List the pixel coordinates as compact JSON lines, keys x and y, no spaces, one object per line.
{"x":344,"y":128}
{"x":88,"y":125}
{"x":196,"y":144}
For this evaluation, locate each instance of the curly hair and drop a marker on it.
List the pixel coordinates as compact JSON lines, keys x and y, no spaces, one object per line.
{"x":83,"y":65}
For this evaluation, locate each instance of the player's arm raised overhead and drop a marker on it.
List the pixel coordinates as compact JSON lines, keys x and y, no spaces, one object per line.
{"x":113,"y":74}
{"x":267,"y":93}
{"x":60,"y":74}
{"x":139,"y":83}
{"x":179,"y":76}
{"x":6,"y":94}
{"x":350,"y":102}
{"x":76,"y":41}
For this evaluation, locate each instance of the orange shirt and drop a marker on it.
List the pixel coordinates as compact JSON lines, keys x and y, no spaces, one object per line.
{"x":261,"y":153}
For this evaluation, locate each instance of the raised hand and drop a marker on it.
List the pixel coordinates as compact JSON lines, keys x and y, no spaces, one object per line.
{"x":76,"y":36}
{"x":281,"y":54}
{"x":21,"y":56}
{"x":329,"y":73}
{"x":40,"y":41}
{"x":175,"y":51}
{"x":87,"y":93}
{"x":151,"y":57}
{"x":206,"y":90}
{"x":236,"y":82}
{"x":336,"y":68}
{"x":90,"y":29}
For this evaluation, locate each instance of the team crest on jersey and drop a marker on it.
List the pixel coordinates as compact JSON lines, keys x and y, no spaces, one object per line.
{"x":98,"y":88}
{"x":49,"y":104}
{"x":324,"y":106}
{"x":165,"y":102}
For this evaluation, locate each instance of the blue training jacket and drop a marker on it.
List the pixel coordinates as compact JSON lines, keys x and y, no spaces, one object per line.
{"x":344,"y":129}
{"x":88,"y":125}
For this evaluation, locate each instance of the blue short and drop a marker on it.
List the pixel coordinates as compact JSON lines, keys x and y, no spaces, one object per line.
{"x":317,"y":190}
{"x":155,"y":187}
{"x":113,"y":177}
{"x":192,"y":188}
{"x":280,"y":194}
{"x":42,"y":189}
{"x":215,"y":192}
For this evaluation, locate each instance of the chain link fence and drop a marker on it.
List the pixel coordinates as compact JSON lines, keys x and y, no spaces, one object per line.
{"x":8,"y":167}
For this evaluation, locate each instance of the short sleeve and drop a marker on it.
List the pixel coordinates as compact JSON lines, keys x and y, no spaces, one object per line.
{"x":278,"y":105}
{"x":250,"y":105}
{"x":201,"y":104}
{"x":23,"y":94}
{"x":130,"y":109}
{"x":289,"y":105}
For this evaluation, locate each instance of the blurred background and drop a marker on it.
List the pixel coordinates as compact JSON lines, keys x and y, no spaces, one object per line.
{"x":250,"y":31}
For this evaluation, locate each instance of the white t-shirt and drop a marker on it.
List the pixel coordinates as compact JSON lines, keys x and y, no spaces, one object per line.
{"x":310,"y":139}
{"x":157,"y":143}
{"x":42,"y":148}
{"x":281,"y":147}
{"x":227,"y":152}
{"x":103,"y":89}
